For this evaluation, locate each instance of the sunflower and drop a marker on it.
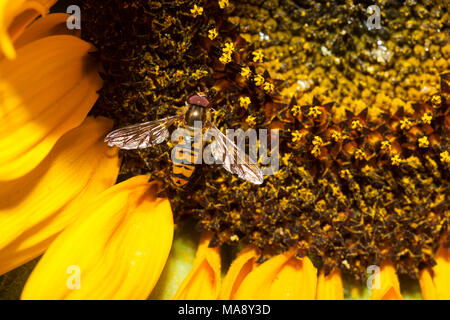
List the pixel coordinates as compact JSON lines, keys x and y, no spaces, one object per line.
{"x":113,"y":227}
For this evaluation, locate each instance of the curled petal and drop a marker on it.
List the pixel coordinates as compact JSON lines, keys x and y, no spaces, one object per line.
{"x":281,"y":277}
{"x":435,"y":285}
{"x":47,"y":91}
{"x":37,"y":207}
{"x":239,"y":269}
{"x":203,"y":281}
{"x":389,"y":288}
{"x":15,"y":16}
{"x":116,"y":250}
{"x":50,"y":25}
{"x":330,"y":287}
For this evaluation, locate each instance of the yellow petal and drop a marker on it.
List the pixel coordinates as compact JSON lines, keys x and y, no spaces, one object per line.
{"x":37,"y":207}
{"x":281,"y":277}
{"x":15,"y":16}
{"x":51,"y":25}
{"x":389,"y":286}
{"x":441,"y":277}
{"x":47,"y":91}
{"x":239,"y":269}
{"x":330,"y":287}
{"x":178,"y":265}
{"x":427,"y":285}
{"x":203,"y":281}
{"x":436,"y":285}
{"x":115,"y":250}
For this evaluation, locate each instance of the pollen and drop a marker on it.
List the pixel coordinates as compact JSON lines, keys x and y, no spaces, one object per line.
{"x":296,"y":110}
{"x":197,"y":11}
{"x":251,"y":120}
{"x":286,"y":158}
{"x":314,"y":112}
{"x":445,"y":157}
{"x":297,"y":136}
{"x":427,"y":117}
{"x":317,"y":141}
{"x":234,"y":238}
{"x":212,"y":34}
{"x":423,"y":142}
{"x":346,"y":174}
{"x":316,"y":152}
{"x":227,"y":51}
{"x":405,"y":124}
{"x":436,"y":100}
{"x":356,"y":125}
{"x":225,"y":58}
{"x":246,"y":72}
{"x":244,"y":102}
{"x":229,"y":48}
{"x":224,"y":3}
{"x":259,"y":80}
{"x":385,"y":145}
{"x":336,"y":136}
{"x":268,"y":87}
{"x":360,"y":154}
{"x":198,"y":74}
{"x":396,"y":160}
{"x":258,"y":56}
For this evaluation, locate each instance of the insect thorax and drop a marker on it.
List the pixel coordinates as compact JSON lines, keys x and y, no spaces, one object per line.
{"x":194,"y":113}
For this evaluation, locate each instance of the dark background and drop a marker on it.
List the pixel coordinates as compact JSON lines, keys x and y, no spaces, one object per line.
{"x":61,"y":5}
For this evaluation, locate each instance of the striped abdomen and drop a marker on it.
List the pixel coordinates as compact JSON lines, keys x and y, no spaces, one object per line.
{"x":186,"y":155}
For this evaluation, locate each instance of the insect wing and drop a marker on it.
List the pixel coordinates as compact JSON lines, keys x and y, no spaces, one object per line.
{"x":233,"y":159}
{"x":142,"y":135}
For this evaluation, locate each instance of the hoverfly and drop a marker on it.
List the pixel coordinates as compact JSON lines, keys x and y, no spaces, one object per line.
{"x":198,"y":108}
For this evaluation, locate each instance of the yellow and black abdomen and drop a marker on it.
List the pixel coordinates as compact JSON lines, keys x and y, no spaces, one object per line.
{"x":186,"y":154}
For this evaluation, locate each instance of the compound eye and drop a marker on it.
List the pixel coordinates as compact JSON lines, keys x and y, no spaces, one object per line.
{"x":198,"y":100}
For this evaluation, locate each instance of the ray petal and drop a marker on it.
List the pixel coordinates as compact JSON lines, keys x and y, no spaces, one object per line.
{"x":116,"y":250}
{"x":37,"y":207}
{"x":47,"y":91}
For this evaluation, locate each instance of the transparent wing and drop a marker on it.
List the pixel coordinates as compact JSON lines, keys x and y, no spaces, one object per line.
{"x":233,"y":159}
{"x":142,"y":135}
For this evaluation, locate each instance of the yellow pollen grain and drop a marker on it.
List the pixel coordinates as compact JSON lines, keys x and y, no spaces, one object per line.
{"x":396,"y":160}
{"x":427,"y":117}
{"x":356,"y":125}
{"x":317,"y":141}
{"x":258,"y":56}
{"x":268,"y":87}
{"x":297,"y":136}
{"x":445,"y":157}
{"x":436,"y":100}
{"x":246,"y":72}
{"x":405,"y":124}
{"x":385,"y":145}
{"x":223,"y":4}
{"x":212,"y":34}
{"x":296,"y":109}
{"x":251,"y":120}
{"x":244,"y":102}
{"x":259,"y":80}
{"x":314,"y":112}
{"x":197,"y":11}
{"x":360,"y":155}
{"x":423,"y":142}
